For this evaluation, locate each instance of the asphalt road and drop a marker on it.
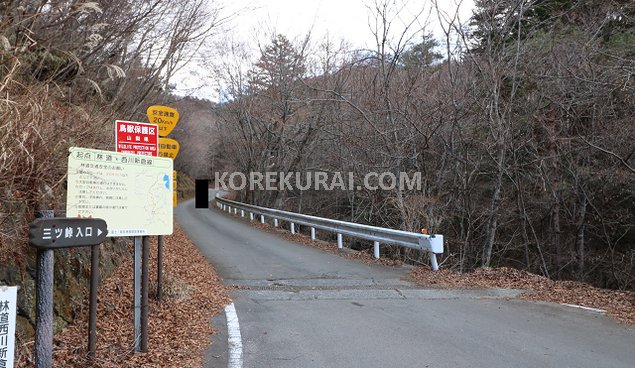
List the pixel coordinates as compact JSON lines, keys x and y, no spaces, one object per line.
{"x":300,"y":307}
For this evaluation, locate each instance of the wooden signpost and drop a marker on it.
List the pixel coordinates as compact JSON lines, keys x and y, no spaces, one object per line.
{"x":47,"y":234}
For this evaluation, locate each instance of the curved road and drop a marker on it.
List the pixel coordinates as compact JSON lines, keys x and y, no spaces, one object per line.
{"x":300,"y":307}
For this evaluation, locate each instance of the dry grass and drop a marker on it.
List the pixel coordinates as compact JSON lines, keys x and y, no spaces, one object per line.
{"x":37,"y":130}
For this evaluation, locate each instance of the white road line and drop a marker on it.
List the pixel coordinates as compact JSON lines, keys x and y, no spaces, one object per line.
{"x":596,"y":310}
{"x":234,"y":340}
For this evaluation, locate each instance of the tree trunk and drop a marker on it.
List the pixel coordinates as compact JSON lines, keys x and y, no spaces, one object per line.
{"x":580,"y":239}
{"x":492,"y":222}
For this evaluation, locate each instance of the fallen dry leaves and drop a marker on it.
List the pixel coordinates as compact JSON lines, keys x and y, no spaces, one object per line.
{"x":179,"y":327}
{"x":620,"y":305}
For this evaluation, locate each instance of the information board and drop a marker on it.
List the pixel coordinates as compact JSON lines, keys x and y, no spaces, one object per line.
{"x":132,"y":193}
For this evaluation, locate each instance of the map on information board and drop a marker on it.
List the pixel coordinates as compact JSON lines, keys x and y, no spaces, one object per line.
{"x":132,"y":193}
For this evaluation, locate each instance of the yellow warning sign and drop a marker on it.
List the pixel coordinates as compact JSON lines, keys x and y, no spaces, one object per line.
{"x":168,"y":148}
{"x":174,"y":179}
{"x":163,"y":116}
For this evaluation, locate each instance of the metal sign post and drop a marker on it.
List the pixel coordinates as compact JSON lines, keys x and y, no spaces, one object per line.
{"x":159,"y":267}
{"x":144,"y":293}
{"x":166,"y":118}
{"x":137,"y":292}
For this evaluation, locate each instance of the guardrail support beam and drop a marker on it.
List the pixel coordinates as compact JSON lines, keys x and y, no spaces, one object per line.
{"x":430,"y":243}
{"x":433,"y":262}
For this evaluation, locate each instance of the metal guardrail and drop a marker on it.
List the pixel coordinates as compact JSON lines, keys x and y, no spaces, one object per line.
{"x":433,"y":244}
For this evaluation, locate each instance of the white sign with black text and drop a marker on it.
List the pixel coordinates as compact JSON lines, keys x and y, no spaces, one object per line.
{"x":8,"y":309}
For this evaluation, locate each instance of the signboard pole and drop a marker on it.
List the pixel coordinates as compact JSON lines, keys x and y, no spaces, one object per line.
{"x":44,"y":304}
{"x":92,"y":309}
{"x":144,"y":294}
{"x":159,"y":267}
{"x":137,"y":293}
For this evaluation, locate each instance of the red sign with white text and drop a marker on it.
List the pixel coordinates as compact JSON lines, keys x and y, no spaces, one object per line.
{"x":136,"y":138}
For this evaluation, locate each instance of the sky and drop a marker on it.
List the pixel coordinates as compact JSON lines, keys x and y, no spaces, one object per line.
{"x":254,"y":22}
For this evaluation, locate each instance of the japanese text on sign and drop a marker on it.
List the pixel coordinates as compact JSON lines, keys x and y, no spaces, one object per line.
{"x":130,"y":192}
{"x":168,"y":147}
{"x":8,"y":308}
{"x":136,"y":138}
{"x":63,"y":232}
{"x":165,"y":117}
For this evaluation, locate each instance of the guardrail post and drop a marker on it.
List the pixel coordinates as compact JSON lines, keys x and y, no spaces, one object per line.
{"x":313,"y":233}
{"x":235,"y":210}
{"x":339,"y":241}
{"x":433,"y":262}
{"x":251,"y":216}
{"x":242,"y":213}
{"x":262,"y":219}
{"x":376,"y":249}
{"x":292,"y":228}
{"x":275,"y":222}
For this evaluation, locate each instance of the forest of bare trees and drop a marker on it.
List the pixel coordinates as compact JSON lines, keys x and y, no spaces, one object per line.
{"x":520,"y":121}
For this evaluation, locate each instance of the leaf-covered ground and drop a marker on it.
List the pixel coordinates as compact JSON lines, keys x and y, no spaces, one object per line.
{"x":179,"y":327}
